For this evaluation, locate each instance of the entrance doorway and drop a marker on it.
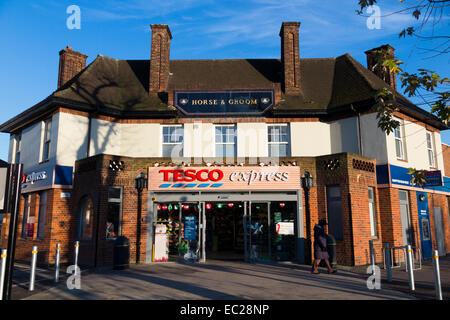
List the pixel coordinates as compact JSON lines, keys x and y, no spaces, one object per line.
{"x":225,"y":231}
{"x":224,"y":227}
{"x":177,"y":229}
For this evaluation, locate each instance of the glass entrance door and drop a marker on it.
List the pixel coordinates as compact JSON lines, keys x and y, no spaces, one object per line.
{"x":259,"y":231}
{"x":190,"y":240}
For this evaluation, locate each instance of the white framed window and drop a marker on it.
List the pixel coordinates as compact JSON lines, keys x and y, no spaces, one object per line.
{"x":278,"y":140}
{"x":47,"y":140}
{"x":18,"y":139}
{"x":399,"y":143}
{"x":430,"y":149}
{"x":372,"y":213}
{"x":225,"y":141}
{"x":172,"y":141}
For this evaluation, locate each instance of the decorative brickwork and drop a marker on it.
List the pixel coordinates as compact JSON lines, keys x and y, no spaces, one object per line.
{"x":363,"y":165}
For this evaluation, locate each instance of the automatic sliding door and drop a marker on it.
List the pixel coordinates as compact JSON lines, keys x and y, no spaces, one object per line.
{"x":259,"y":230}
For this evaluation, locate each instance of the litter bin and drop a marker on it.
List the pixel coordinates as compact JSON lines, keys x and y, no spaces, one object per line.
{"x":121,"y":258}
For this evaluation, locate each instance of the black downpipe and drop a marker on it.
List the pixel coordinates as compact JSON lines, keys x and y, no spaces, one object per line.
{"x":138,"y":231}
{"x":15,"y":175}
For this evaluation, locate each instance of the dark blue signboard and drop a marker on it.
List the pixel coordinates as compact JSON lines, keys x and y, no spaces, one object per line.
{"x":63,"y":175}
{"x":400,"y":175}
{"x":434,"y":179}
{"x":224,"y":102}
{"x":190,"y":224}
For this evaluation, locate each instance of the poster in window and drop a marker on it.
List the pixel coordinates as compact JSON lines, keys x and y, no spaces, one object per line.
{"x":161,"y":243}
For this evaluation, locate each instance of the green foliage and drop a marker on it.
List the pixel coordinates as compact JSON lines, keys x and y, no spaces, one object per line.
{"x":417,"y":177}
{"x":385,"y":108}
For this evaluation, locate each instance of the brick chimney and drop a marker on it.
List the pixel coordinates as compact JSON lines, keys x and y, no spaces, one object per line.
{"x":70,"y":63}
{"x":290,"y":57}
{"x":375,"y":56}
{"x":160,"y":57}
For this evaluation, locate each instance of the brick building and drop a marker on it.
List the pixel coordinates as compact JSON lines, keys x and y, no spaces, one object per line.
{"x":226,"y":146}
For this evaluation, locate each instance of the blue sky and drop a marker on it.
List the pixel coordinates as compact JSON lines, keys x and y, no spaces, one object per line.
{"x":33,"y":32}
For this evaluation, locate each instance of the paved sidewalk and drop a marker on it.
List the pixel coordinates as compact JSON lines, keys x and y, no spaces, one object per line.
{"x":219,"y":280}
{"x":424,"y":279}
{"x":44,"y":280}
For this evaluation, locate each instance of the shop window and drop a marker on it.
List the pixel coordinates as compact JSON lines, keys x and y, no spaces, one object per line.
{"x":278,"y":140}
{"x":430,"y":150}
{"x":334,"y":212}
{"x":86,"y":214}
{"x":399,"y":143}
{"x":42,"y":211}
{"x":172,"y":141}
{"x":225,"y":141}
{"x":113,"y":216}
{"x":27,"y":220}
{"x":18,"y":139}
{"x":372,"y":213}
{"x":46,"y":140}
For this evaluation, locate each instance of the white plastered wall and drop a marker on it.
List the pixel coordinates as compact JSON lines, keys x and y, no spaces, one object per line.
{"x":373,"y":139}
{"x":252,"y":140}
{"x":310,"y":139}
{"x":415,"y":147}
{"x":105,"y":137}
{"x":140,"y":140}
{"x":71,"y":143}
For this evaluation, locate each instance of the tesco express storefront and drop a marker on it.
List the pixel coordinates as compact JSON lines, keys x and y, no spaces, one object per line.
{"x":229,"y":212}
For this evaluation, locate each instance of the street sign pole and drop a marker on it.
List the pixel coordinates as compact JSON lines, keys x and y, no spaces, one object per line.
{"x":15,"y":183}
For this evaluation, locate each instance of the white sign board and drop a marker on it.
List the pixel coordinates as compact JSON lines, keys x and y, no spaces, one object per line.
{"x":3,"y":177}
{"x":161,"y":253}
{"x":285,"y":228}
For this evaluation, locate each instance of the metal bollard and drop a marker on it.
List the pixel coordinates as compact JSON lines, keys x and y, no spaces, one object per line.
{"x":33,"y":267}
{"x":2,"y":272}
{"x":77,"y":246}
{"x":388,"y":263}
{"x":410,"y":267}
{"x":57,"y":259}
{"x":372,"y":255}
{"x":437,"y":275}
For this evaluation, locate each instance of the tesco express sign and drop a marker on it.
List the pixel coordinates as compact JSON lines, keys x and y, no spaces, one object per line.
{"x":229,"y":178}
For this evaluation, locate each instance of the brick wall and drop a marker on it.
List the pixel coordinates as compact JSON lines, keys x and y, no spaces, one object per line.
{"x":353,"y":174}
{"x":446,"y":156}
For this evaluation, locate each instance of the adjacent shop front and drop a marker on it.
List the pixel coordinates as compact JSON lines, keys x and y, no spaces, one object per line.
{"x":235,"y":212}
